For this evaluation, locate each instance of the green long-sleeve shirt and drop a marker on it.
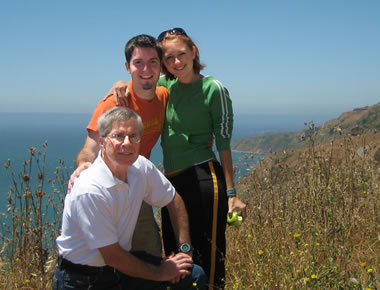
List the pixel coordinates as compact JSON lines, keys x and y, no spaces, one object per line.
{"x":194,"y":113}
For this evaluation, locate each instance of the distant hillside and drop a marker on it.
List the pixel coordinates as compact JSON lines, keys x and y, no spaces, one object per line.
{"x":359,"y":120}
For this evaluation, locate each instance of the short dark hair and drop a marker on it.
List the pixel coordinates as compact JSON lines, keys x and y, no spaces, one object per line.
{"x":142,"y":40}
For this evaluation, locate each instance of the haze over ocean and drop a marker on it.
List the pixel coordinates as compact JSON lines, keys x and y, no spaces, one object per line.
{"x":65,"y":134}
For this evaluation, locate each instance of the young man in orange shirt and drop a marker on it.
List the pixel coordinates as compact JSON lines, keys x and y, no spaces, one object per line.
{"x":143,"y":62}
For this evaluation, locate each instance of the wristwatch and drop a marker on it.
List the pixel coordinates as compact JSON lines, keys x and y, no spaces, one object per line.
{"x":185,"y":248}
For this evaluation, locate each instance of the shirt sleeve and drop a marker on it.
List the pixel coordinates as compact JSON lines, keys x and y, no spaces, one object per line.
{"x":222,"y":116}
{"x":94,"y":218}
{"x":159,"y":191}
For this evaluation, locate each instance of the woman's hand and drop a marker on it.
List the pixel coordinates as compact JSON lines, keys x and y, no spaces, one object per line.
{"x":120,"y":93}
{"x":235,"y":204}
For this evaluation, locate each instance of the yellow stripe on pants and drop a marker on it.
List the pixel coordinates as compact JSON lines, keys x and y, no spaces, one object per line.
{"x":214,"y":224}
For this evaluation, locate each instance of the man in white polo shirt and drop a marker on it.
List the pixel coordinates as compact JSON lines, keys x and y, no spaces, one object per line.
{"x":100,"y":215}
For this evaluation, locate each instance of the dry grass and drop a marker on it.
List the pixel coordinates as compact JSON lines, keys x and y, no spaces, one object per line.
{"x":313,"y":222}
{"x":31,"y":224}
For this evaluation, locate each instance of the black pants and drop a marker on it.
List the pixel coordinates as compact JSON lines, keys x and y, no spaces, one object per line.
{"x":76,"y":276}
{"x":197,"y":189}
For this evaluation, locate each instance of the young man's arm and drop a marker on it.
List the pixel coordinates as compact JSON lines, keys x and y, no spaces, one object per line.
{"x":86,"y":156}
{"x":89,"y":150}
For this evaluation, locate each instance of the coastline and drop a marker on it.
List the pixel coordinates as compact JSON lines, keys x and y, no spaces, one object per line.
{"x":248,"y":152}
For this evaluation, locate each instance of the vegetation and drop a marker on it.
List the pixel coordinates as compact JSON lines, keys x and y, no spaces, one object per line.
{"x":313,"y":221}
{"x":31,"y":224}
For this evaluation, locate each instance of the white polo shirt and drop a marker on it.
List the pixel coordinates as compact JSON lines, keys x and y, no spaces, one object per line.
{"x":102,"y":210}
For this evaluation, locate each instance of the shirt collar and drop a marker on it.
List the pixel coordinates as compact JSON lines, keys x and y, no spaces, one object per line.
{"x":103,"y":173}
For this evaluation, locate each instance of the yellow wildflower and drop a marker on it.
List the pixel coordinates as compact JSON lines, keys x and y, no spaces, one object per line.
{"x":296,"y":235}
{"x":363,"y":264}
{"x":370,"y":270}
{"x":260,"y":252}
{"x":314,"y":276}
{"x":306,"y":279}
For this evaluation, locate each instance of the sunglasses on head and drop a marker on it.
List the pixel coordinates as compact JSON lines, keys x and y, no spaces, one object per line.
{"x":171,"y":31}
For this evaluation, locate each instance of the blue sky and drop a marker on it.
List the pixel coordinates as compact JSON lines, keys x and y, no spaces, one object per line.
{"x":275,"y":57}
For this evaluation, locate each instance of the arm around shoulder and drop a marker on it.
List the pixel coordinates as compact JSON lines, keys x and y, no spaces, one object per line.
{"x":89,"y":150}
{"x":85,"y":156}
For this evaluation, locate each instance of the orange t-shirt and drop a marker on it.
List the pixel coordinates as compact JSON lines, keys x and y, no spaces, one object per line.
{"x":152,"y":114}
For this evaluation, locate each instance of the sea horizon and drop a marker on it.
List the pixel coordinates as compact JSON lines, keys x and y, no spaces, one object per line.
{"x":65,"y":134}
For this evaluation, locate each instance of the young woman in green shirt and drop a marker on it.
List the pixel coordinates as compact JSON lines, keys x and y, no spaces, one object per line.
{"x":199,"y":108}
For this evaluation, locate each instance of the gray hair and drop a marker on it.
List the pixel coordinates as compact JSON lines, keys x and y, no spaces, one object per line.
{"x":117,"y":114}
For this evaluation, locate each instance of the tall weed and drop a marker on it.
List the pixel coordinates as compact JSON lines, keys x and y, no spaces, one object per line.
{"x":31,"y":222}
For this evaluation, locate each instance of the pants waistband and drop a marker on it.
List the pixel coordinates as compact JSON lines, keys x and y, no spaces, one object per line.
{"x":64,"y":264}
{"x":178,"y":171}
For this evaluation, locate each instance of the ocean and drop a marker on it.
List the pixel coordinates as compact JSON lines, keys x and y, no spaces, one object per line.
{"x":65,"y":134}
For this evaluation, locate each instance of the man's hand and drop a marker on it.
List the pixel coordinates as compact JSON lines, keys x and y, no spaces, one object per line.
{"x":76,"y":174}
{"x":175,"y":267}
{"x":120,"y":93}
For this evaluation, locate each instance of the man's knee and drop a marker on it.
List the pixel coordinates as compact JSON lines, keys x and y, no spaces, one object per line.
{"x":199,"y":277}
{"x":196,"y":280}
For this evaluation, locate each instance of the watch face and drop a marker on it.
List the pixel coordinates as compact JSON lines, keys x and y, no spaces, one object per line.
{"x":185,"y":248}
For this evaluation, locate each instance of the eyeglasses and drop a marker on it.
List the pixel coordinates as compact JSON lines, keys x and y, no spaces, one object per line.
{"x":171,"y":31}
{"x":119,"y":138}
